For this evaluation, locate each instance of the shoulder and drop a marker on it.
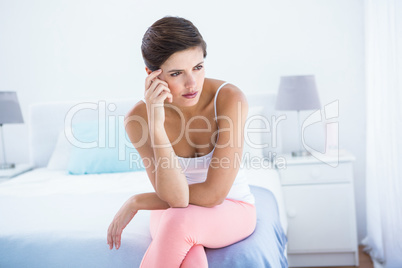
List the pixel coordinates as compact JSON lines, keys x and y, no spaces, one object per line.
{"x":230,"y":92}
{"x":139,"y":109}
{"x":136,"y":123}
{"x":229,"y":98}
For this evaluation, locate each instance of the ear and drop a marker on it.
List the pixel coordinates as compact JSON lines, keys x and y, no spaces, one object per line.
{"x":148,"y":70}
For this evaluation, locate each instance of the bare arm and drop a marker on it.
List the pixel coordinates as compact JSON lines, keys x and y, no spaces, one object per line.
{"x":163,"y":170}
{"x":145,"y":201}
{"x":170,"y":182}
{"x":148,"y":201}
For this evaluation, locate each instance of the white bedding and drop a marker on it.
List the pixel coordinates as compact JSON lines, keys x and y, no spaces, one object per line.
{"x":42,"y":181}
{"x":45,"y":201}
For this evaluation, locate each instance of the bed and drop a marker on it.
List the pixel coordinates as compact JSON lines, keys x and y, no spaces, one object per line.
{"x":57,"y":216}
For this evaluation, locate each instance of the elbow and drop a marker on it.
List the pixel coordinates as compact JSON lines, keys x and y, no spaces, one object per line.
{"x":179,"y":203}
{"x":215,"y":202}
{"x":175,"y":199}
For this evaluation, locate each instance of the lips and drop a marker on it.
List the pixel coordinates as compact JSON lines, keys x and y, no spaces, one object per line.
{"x":190,"y":95}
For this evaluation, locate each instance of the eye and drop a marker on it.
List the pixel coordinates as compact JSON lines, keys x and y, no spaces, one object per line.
{"x":175,"y":74}
{"x":198,"y":67}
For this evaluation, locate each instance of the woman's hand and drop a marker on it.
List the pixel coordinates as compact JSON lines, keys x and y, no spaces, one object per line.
{"x":120,"y":221}
{"x":156,"y":92}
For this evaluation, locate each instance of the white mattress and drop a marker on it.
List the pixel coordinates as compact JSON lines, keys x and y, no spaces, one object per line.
{"x":43,"y":201}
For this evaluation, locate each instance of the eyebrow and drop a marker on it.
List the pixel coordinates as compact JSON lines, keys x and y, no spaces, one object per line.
{"x":177,"y":70}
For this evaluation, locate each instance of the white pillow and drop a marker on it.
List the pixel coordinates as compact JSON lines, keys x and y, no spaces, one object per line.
{"x":61,"y":153}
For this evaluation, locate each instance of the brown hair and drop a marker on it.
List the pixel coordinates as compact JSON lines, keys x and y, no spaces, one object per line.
{"x":168,"y":36}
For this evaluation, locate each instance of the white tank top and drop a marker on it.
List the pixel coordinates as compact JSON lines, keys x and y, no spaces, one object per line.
{"x":196,"y":169}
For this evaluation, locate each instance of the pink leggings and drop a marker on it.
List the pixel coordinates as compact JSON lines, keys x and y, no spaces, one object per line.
{"x":180,"y":234}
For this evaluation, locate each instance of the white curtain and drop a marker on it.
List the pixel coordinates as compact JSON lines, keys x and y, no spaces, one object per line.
{"x":384,"y":131}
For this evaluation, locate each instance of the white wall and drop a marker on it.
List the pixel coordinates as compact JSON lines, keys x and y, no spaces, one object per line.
{"x":68,"y":50}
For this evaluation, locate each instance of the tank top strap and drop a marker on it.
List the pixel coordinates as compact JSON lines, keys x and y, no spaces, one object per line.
{"x":216,"y":96}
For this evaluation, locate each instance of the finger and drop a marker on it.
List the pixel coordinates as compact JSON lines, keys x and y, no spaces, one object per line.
{"x":155,"y":89}
{"x":169,"y":97}
{"x":151,"y":77}
{"x":156,"y":83}
{"x":109,"y":237}
{"x":118,"y":238}
{"x":112,"y":236}
{"x":163,"y":96}
{"x":161,"y":88}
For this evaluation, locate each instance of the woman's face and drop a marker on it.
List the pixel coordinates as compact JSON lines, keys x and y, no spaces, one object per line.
{"x":184,"y":73}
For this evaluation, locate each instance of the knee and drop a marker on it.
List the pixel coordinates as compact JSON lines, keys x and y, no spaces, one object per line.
{"x":178,"y":219}
{"x":176,"y":215}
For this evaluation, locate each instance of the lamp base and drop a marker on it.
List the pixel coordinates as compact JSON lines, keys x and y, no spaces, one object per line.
{"x":300,"y":153}
{"x":7,"y":165}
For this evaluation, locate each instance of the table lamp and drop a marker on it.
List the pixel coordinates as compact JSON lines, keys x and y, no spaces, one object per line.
{"x":298,"y":93}
{"x":10,"y":113}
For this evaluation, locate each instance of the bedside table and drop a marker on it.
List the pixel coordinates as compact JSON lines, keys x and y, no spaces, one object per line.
{"x":320,"y":206}
{"x":6,"y":174}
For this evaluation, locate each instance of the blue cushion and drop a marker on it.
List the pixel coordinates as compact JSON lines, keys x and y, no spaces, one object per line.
{"x":103,"y":149}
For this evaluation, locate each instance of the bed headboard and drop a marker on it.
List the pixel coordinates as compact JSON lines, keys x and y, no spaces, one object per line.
{"x":46,"y":120}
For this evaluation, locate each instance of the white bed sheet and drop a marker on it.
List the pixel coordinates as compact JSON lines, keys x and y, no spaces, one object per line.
{"x":54,"y":202}
{"x":43,"y":201}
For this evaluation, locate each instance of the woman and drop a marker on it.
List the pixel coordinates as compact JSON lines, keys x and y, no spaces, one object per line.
{"x":190,"y":141}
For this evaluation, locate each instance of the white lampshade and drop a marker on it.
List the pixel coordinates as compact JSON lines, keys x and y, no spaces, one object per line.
{"x":10,"y":111}
{"x":297,"y":93}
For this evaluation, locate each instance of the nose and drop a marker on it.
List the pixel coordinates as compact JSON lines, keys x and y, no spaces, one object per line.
{"x":190,"y":82}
